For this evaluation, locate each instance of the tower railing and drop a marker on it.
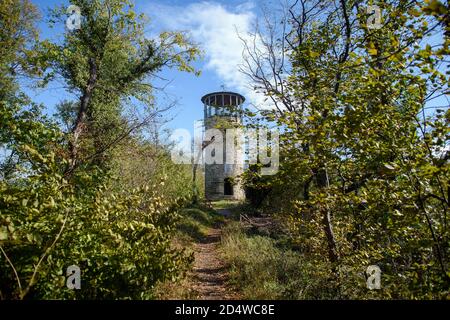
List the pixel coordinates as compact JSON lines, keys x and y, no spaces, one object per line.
{"x":227,"y":104}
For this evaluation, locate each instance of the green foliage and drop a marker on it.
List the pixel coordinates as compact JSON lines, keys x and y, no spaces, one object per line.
{"x":195,"y":223}
{"x":109,"y":63}
{"x":17,"y":39}
{"x":365,"y":177}
{"x":264,"y":268}
{"x":257,"y":187}
{"x":136,"y":163}
{"x":120,"y":240}
{"x":98,"y":195}
{"x":193,"y":226}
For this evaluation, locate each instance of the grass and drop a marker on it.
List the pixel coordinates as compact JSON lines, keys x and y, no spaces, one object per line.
{"x":225,"y":204}
{"x":234,"y":206}
{"x":195,"y":223}
{"x":193,"y":226}
{"x":262,"y":267}
{"x":263,"y":264}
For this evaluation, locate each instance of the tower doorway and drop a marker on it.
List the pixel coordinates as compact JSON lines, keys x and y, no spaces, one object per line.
{"x":228,"y":187}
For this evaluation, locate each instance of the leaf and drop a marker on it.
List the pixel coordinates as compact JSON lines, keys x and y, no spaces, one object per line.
{"x":3,"y":233}
{"x":390,"y":166}
{"x":372,"y":51}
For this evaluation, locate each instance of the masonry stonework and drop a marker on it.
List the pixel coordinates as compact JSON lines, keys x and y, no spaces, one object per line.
{"x":222,"y":111}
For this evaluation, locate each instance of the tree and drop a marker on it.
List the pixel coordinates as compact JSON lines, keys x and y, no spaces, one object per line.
{"x":17,"y":38}
{"x":61,"y":202}
{"x":109,"y":60}
{"x":349,"y":99}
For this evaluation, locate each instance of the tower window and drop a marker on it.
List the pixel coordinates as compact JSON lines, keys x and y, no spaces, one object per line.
{"x":227,"y":99}
{"x":228,"y":187}
{"x":219,"y":100}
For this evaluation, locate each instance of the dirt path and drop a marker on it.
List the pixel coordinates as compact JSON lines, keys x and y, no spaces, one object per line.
{"x":209,"y":273}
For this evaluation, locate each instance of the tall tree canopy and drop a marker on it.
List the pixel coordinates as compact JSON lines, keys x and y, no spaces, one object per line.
{"x":67,"y":197}
{"x":364,"y":149}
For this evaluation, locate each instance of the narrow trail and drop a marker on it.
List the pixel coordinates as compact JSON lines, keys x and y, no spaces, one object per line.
{"x":209,"y":273}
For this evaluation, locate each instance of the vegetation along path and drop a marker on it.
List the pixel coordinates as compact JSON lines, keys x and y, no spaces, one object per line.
{"x":209,"y":273}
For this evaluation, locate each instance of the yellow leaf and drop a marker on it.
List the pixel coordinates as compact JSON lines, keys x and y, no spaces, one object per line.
{"x":372,"y":51}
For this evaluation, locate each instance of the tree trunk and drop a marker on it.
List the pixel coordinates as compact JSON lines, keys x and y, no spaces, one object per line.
{"x":323,"y":183}
{"x":194,"y":183}
{"x":81,"y":117}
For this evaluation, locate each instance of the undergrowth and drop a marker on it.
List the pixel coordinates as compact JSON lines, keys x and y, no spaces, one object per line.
{"x":193,"y":226}
{"x":265,"y":267}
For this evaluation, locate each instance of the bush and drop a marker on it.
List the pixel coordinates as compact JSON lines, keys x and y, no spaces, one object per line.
{"x":120,"y":238}
{"x":263,"y":269}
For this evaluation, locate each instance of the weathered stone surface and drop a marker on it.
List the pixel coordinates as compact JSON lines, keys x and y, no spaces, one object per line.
{"x":216,"y":174}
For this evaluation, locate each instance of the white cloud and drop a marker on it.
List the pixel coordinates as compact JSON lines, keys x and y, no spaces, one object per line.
{"x":217,"y":29}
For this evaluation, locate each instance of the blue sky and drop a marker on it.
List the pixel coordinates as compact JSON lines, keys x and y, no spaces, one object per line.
{"x":213,"y":25}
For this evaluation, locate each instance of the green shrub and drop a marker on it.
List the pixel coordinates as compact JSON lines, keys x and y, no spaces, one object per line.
{"x":120,"y":239}
{"x":263,"y":270}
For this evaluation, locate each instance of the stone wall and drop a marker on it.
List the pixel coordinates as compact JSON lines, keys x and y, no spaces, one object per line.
{"x":215,"y":174}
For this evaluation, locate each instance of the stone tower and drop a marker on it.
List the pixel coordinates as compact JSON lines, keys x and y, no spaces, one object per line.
{"x":222,"y":111}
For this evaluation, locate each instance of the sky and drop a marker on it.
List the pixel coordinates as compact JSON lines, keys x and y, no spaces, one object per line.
{"x":214,"y":25}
